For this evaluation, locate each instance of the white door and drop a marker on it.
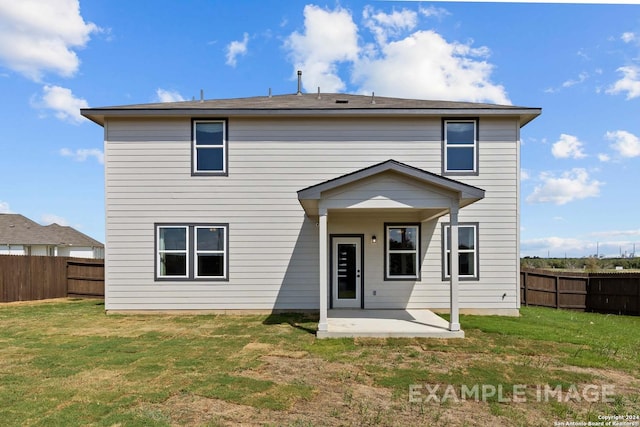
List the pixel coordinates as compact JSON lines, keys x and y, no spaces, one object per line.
{"x":347,"y":272}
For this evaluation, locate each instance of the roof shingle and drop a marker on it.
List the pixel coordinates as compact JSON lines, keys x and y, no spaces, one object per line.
{"x":16,"y":229}
{"x":310,"y":104}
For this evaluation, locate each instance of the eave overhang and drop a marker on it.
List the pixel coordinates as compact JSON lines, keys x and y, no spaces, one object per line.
{"x":310,"y":105}
{"x":460,"y":193}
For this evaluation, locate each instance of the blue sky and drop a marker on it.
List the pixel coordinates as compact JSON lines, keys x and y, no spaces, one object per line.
{"x":579,"y":62}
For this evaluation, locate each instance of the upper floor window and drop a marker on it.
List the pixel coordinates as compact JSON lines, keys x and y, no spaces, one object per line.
{"x":209,"y":147}
{"x":460,"y":146}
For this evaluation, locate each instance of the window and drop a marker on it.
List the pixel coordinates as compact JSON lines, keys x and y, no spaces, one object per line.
{"x":209,"y":147}
{"x":188,"y":252}
{"x":467,"y":251}
{"x":402,"y":249}
{"x":172,"y":251}
{"x":460,"y":146}
{"x":210,"y":251}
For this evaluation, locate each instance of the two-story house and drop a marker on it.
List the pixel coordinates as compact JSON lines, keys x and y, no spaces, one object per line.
{"x":313,"y":202}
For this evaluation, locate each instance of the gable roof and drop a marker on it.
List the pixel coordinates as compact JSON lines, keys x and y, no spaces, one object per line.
{"x":324,"y":104}
{"x":469,"y":194}
{"x":16,"y":229}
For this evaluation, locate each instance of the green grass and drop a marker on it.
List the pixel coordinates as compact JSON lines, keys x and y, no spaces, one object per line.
{"x":67,"y":363}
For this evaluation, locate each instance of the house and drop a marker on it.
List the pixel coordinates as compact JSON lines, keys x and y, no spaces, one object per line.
{"x":21,"y":236}
{"x":313,"y":202}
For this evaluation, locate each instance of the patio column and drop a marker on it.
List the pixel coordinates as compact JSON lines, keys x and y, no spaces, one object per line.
{"x":454,"y":320}
{"x":324,"y":267}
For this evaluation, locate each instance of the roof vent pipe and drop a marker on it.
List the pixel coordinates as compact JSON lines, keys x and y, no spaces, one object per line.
{"x":201,"y":95}
{"x":269,"y":92}
{"x":299,"y":83}
{"x":373,"y":97}
{"x":319,"y":93}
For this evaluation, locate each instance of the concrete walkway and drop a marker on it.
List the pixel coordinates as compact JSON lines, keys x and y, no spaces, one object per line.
{"x":387,"y":323}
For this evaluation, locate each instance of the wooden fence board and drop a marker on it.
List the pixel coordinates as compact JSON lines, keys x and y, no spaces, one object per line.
{"x":27,"y":278}
{"x":85,"y":279}
{"x":599,"y":292}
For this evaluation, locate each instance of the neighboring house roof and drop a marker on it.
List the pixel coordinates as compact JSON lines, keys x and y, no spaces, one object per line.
{"x":311,"y":104}
{"x":16,"y":229}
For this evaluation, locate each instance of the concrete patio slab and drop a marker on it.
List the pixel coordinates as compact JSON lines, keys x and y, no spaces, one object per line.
{"x":387,"y":323}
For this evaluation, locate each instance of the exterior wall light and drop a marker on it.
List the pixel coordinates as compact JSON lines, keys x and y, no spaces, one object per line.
{"x":374,"y":239}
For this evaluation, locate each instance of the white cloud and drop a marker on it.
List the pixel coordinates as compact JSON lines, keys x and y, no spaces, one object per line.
{"x":625,"y":143}
{"x":570,"y":186}
{"x":48,"y":219}
{"x":557,"y":246}
{"x":82,"y":154}
{"x":567,"y":146}
{"x":604,"y":157}
{"x":582,"y":77}
{"x":237,"y":48}
{"x":329,"y":37}
{"x":524,"y":175}
{"x":628,"y":37}
{"x":400,"y":61}
{"x":163,"y":95}
{"x":39,"y":36}
{"x":605,"y":243}
{"x":62,"y":101}
{"x":630,"y":83}
{"x":430,"y":11}
{"x":425,"y":65}
{"x":581,"y":53}
{"x":4,"y":207}
{"x":384,"y":25}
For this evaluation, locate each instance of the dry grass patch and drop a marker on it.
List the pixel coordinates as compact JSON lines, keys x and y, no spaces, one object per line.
{"x":67,"y":363}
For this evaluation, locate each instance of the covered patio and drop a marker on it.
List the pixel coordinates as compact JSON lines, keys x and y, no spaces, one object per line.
{"x":382,"y":189}
{"x":344,"y":323}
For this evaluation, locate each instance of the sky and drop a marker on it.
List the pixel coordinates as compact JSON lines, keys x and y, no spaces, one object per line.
{"x":580,"y":63}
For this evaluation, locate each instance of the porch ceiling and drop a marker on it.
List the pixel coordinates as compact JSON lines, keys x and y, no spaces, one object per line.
{"x":392,"y":186}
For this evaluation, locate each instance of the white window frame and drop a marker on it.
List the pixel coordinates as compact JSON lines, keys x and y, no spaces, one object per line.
{"x":196,"y":147}
{"x":208,"y":252}
{"x":388,"y":251}
{"x":159,"y":252}
{"x":447,"y":250}
{"x":191,"y":252}
{"x":473,"y":145}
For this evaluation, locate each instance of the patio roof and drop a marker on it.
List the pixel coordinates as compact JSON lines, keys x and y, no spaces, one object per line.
{"x":311,"y":197}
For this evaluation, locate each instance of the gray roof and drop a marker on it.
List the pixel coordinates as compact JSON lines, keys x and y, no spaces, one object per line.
{"x":16,"y":229}
{"x":324,"y":104}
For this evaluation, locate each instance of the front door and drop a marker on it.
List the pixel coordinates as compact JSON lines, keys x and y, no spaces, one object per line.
{"x":346,"y":272}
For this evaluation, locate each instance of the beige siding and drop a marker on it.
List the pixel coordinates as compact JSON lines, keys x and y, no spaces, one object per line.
{"x":273,"y":247}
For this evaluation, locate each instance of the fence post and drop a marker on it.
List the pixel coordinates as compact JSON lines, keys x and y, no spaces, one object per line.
{"x":557,"y":280}
{"x":526,"y":289}
{"x":638,"y":305}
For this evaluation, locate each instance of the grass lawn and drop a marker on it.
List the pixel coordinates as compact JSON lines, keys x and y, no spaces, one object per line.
{"x":66,"y":363}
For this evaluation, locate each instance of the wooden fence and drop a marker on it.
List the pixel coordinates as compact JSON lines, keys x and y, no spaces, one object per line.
{"x":599,"y":292}
{"x":27,"y":278}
